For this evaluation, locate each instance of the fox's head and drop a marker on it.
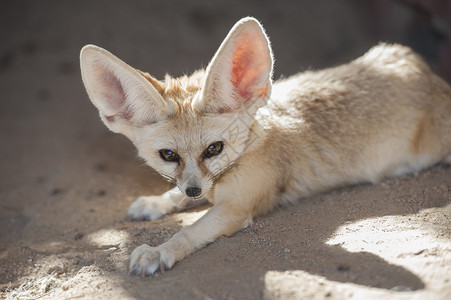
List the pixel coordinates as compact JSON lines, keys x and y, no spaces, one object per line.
{"x":190,"y":129}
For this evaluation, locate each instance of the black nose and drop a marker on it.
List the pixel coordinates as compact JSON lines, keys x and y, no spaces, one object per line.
{"x":193,"y":191}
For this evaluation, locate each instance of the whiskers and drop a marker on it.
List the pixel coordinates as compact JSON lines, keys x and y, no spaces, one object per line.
{"x":168,"y":178}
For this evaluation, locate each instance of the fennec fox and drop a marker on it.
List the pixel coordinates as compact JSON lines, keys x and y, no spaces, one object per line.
{"x":230,"y":135}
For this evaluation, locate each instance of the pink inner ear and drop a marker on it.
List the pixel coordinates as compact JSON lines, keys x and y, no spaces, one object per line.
{"x":111,"y":91}
{"x":250,"y":65}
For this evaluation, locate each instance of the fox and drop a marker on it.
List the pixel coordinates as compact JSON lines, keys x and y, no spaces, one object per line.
{"x":231,"y":136}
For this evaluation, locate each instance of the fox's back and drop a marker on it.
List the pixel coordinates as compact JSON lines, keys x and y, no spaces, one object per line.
{"x":371,"y":87}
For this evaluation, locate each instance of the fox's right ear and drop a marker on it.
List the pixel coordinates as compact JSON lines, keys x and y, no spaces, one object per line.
{"x":122,"y":95}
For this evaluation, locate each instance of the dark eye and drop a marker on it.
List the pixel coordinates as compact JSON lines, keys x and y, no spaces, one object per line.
{"x":169,"y":155}
{"x":214,"y":149}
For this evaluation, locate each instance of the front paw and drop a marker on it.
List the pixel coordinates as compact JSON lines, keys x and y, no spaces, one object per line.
{"x":147,"y":208}
{"x":146,"y":260}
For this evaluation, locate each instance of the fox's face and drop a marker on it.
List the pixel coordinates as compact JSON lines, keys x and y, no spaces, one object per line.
{"x":190,"y":129}
{"x":193,"y":150}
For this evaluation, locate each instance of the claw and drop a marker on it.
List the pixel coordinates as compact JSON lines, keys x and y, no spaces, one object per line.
{"x":145,"y":261}
{"x":134,"y":270}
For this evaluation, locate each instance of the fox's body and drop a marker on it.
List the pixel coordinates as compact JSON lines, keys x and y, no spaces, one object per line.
{"x":383,"y":114}
{"x":246,"y":144}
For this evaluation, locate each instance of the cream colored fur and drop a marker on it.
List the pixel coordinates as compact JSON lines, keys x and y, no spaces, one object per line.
{"x":382,"y":114}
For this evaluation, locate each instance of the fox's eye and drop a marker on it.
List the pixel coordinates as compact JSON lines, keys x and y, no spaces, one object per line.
{"x":169,"y":155}
{"x":214,"y":149}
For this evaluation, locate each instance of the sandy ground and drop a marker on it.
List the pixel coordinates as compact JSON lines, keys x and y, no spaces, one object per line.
{"x":66,"y":182}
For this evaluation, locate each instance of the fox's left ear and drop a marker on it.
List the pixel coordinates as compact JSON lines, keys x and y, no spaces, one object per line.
{"x":240,"y":72}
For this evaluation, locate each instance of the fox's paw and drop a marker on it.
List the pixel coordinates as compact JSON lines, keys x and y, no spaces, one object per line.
{"x":146,"y":260}
{"x":148,"y":208}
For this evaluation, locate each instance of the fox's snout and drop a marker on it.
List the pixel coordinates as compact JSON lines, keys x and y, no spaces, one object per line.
{"x":192,"y":184}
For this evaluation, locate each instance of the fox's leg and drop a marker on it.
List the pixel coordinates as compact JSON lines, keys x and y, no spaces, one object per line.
{"x":222,"y":219}
{"x":154,"y":207}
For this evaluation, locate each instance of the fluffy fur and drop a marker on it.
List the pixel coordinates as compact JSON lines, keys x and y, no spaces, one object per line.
{"x":382,"y":114}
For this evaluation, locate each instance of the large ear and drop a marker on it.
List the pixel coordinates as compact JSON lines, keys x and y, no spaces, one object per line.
{"x":122,"y":95}
{"x":240,"y":72}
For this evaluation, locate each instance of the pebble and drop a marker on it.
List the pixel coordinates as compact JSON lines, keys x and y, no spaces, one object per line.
{"x":343,"y":267}
{"x":78,"y":236}
{"x":56,"y":192}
